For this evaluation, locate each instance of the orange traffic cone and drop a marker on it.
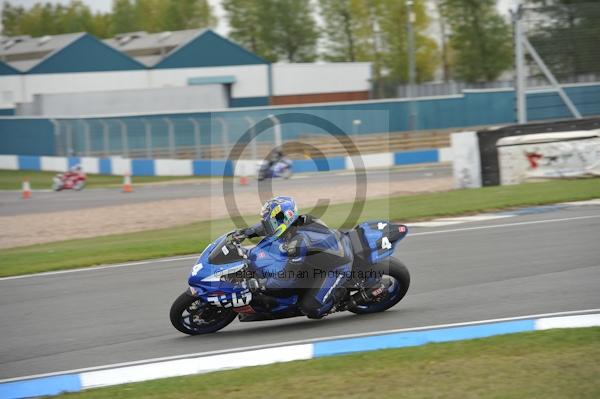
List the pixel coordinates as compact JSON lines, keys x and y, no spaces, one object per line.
{"x":26,"y":189}
{"x":243,"y":174}
{"x":127,"y":188}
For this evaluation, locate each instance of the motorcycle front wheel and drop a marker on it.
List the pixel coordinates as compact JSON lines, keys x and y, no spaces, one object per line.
{"x":192,"y":316}
{"x":399,"y":278}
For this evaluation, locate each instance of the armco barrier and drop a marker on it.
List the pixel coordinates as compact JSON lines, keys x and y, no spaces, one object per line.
{"x":183,"y":167}
{"x":162,"y":368}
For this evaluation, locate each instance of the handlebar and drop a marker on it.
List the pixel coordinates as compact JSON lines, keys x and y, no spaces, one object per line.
{"x":243,"y":252}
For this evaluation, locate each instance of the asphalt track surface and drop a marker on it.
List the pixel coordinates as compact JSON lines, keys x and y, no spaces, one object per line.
{"x":535,"y":263}
{"x":48,"y":201}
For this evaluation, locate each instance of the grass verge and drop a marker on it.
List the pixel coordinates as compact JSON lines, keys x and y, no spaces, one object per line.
{"x":12,"y":179}
{"x":543,"y":364}
{"x":194,"y":237}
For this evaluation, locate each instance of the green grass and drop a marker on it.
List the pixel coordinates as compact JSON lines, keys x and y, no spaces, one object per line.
{"x":194,"y":237}
{"x":542,"y":364}
{"x":12,"y":179}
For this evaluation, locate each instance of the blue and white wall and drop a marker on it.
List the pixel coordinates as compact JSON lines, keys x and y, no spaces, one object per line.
{"x":188,"y":167}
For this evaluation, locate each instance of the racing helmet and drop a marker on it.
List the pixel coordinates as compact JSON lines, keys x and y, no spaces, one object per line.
{"x":278,"y":214}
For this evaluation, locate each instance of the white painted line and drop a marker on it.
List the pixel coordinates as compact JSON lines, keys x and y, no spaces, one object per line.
{"x":592,"y":320}
{"x":496,"y":226}
{"x":582,"y":203}
{"x":460,"y":219}
{"x":302,"y":341}
{"x":89,"y":269}
{"x":434,"y":224}
{"x":204,"y":364}
{"x":477,"y":218}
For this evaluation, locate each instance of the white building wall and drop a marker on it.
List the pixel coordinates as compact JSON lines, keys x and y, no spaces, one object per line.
{"x":314,"y":78}
{"x":81,"y":82}
{"x":251,"y":80}
{"x":158,"y":100}
{"x":10,"y":90}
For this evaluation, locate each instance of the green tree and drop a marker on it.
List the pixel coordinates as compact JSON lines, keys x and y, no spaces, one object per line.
{"x":342,"y":20}
{"x":124,"y":18}
{"x":52,"y":19}
{"x":149,"y":15}
{"x":376,"y":31}
{"x":274,"y":29}
{"x":188,"y":14}
{"x":11,"y":17}
{"x":394,"y":24}
{"x":247,"y":25}
{"x":480,"y":39}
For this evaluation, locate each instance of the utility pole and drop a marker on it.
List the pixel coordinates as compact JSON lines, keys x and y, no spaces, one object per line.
{"x":412,"y":117}
{"x":519,"y":63}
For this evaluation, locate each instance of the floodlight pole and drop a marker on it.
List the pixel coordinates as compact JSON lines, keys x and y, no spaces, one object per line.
{"x":517,"y":13}
{"x":412,"y":117}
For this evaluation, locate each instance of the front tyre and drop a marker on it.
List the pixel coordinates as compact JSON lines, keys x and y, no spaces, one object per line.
{"x":400,"y":281}
{"x":192,"y":316}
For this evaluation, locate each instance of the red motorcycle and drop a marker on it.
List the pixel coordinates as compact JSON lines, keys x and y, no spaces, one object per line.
{"x":71,"y":180}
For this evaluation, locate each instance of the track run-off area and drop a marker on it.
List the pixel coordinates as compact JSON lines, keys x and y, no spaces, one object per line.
{"x":538,"y":262}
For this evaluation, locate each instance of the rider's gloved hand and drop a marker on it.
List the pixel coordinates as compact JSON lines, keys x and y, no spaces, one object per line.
{"x":256,"y":285}
{"x":239,"y":235}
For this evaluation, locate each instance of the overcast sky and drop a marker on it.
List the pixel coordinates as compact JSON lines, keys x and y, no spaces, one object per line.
{"x":105,"y":5}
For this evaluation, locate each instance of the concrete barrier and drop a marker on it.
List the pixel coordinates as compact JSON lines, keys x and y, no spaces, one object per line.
{"x":187,"y":167}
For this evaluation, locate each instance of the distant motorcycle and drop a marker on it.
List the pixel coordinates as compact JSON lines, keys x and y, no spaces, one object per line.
{"x":69,"y":181}
{"x":281,"y":168}
{"x":219,"y":288}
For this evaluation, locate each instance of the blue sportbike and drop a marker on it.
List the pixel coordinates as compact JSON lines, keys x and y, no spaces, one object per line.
{"x":280,"y":168}
{"x":220,"y":290}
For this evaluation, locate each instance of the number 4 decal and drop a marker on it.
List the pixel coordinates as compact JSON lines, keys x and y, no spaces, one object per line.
{"x":385,"y":243}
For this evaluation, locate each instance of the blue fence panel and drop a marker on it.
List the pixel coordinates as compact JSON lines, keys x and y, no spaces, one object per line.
{"x":29,"y":162}
{"x":105,"y":166}
{"x":412,"y":157}
{"x":26,"y":137}
{"x":142,"y":167}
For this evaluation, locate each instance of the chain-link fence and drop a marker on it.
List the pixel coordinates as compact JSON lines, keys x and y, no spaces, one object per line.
{"x":566,"y":35}
{"x":557,"y":41}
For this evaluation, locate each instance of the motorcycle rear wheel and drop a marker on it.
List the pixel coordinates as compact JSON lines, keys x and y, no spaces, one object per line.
{"x":401,"y":281}
{"x":193,"y":317}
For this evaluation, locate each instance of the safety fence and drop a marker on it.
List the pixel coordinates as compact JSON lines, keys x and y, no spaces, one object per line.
{"x":216,"y":167}
{"x":203,"y":135}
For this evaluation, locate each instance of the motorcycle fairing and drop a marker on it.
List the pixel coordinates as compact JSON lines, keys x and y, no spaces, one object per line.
{"x":380,"y":238}
{"x":205,"y":279}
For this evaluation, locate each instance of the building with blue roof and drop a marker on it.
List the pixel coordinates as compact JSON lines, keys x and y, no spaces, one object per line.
{"x":6,"y":69}
{"x":67,"y":53}
{"x":77,"y":74}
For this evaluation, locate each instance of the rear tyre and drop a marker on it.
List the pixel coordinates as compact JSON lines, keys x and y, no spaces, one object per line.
{"x":192,"y":316}
{"x":400,"y":277}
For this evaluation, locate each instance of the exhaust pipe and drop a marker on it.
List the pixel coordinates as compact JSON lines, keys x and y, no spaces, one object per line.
{"x":367,"y":295}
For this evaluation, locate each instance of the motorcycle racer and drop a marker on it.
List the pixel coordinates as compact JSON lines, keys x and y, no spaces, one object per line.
{"x":317,"y":256}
